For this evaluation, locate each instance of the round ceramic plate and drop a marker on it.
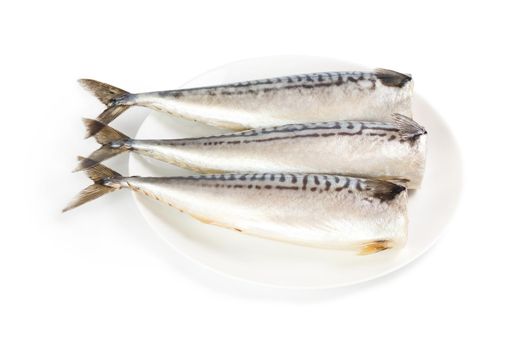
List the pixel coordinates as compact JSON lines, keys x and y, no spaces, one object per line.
{"x":282,"y":264}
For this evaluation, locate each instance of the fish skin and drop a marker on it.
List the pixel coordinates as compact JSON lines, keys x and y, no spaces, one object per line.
{"x":393,"y":150}
{"x":334,"y":212}
{"x":292,"y":99}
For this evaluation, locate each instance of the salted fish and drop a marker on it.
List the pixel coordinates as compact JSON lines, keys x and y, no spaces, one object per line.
{"x":325,"y":211}
{"x":393,"y":150}
{"x":313,"y":97}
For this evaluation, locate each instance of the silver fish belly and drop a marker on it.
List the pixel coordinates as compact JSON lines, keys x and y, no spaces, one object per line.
{"x":269,"y":102}
{"x":393,"y":150}
{"x":322,"y":211}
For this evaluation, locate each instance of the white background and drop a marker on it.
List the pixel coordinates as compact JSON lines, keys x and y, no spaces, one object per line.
{"x":99,"y":278}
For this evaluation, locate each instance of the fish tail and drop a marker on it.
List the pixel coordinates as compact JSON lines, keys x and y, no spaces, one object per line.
{"x":408,"y":128}
{"x":113,"y":143}
{"x":104,"y":180}
{"x":113,"y":97}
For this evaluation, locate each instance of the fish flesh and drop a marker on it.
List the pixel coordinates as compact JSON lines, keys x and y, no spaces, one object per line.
{"x":393,"y":150}
{"x":291,"y":99}
{"x":325,"y":211}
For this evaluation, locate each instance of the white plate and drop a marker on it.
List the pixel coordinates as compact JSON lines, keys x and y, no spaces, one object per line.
{"x":286,"y":265}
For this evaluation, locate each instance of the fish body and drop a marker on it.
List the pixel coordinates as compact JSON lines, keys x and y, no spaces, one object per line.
{"x":291,"y":99}
{"x":316,"y":210}
{"x":393,"y":150}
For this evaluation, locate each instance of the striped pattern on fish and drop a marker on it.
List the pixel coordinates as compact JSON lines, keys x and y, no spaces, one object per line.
{"x":393,"y":150}
{"x":325,"y":211}
{"x":252,"y":104}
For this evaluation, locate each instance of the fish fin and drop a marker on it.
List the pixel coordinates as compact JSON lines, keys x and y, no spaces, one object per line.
{"x":408,"y":128}
{"x":374,"y":247}
{"x":88,"y":194}
{"x":109,"y":95}
{"x":100,"y":155}
{"x":104,"y":92}
{"x":113,"y":143}
{"x":99,"y":174}
{"x":108,"y":115}
{"x":392,"y":78}
{"x":383,"y":190}
{"x":103,"y":133}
